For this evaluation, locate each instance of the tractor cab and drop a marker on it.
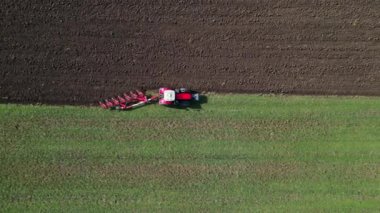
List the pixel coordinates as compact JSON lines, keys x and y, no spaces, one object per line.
{"x":169,"y":95}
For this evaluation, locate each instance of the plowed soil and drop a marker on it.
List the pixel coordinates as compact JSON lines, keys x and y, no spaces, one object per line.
{"x":75,"y":52}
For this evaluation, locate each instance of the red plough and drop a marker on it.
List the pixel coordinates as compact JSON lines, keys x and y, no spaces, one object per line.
{"x":127,"y":101}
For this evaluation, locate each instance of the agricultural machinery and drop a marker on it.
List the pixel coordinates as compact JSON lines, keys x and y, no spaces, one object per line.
{"x":181,"y":97}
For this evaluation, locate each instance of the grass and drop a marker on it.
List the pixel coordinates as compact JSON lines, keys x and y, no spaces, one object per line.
{"x":238,"y":153}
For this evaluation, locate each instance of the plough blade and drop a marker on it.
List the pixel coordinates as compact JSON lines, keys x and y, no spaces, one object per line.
{"x":121,"y":99}
{"x":140,"y":94}
{"x":108,"y":103}
{"x":133,"y":95}
{"x":127,"y":97}
{"x":115,"y":101}
{"x":102,"y":104}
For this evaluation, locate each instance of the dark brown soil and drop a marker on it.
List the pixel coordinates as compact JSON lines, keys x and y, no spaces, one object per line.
{"x":75,"y":52}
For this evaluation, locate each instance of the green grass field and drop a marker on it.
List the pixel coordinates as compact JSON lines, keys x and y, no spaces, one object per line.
{"x":238,"y":153}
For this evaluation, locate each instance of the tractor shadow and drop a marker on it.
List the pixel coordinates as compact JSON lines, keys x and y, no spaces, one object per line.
{"x":195,"y":105}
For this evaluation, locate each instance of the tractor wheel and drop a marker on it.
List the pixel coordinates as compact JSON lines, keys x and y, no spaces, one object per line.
{"x":184,"y":103}
{"x":183,"y":90}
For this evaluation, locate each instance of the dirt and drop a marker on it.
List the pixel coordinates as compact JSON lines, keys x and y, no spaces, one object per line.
{"x":75,"y":52}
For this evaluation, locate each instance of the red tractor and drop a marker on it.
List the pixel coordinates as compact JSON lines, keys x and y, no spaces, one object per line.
{"x":177,"y":97}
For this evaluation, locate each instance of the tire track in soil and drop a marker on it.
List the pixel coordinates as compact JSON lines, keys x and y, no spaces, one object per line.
{"x":76,"y":52}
